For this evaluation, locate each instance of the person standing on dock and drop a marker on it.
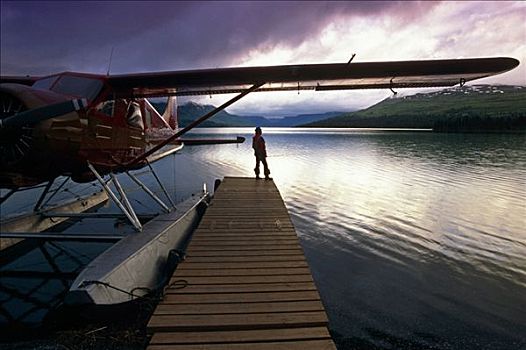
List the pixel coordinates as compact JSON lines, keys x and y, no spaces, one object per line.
{"x":260,"y":151}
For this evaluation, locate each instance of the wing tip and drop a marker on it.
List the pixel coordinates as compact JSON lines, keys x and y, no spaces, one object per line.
{"x":515,"y":62}
{"x":509,"y":63}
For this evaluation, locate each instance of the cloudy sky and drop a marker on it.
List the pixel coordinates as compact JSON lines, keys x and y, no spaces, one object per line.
{"x":44,"y":37}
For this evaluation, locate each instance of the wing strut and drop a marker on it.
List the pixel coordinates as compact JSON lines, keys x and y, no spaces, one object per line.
{"x":193,"y":125}
{"x":391,"y":86}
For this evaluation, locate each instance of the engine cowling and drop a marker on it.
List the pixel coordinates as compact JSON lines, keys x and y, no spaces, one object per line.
{"x":36,"y":127}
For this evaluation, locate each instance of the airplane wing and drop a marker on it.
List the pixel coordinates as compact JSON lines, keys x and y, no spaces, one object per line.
{"x":319,"y":77}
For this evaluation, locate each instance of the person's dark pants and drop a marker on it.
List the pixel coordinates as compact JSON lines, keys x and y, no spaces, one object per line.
{"x":263,"y":160}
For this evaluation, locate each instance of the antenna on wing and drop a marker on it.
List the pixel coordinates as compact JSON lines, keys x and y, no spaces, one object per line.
{"x":352,"y":57}
{"x":109,"y":64}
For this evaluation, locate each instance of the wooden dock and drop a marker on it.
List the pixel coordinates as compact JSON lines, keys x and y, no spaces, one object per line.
{"x":245,"y":283}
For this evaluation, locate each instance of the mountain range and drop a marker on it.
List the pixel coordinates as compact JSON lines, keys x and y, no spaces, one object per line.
{"x":191,"y":111}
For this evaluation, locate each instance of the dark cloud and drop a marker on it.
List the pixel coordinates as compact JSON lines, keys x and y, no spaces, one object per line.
{"x":42,"y":37}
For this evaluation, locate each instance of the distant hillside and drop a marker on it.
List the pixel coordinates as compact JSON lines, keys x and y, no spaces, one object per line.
{"x":468,"y":108}
{"x":191,"y":111}
{"x":300,"y":119}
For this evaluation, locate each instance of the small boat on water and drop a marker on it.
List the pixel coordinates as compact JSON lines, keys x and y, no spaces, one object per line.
{"x":141,"y":262}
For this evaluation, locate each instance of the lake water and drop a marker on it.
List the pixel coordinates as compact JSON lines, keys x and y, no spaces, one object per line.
{"x":415,"y":239}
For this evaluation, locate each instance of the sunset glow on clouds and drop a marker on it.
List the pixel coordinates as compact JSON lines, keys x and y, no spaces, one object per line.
{"x":45,"y":37}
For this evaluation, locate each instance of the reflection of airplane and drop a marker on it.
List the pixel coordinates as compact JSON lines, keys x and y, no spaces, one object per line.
{"x":29,"y":293}
{"x":59,"y":124}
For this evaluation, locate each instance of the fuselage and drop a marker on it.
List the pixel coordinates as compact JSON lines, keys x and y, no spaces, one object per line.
{"x":109,"y":133}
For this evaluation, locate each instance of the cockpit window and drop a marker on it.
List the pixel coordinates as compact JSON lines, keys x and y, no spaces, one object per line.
{"x":78,"y":86}
{"x":134,"y":115}
{"x":45,"y":84}
{"x":106,"y":107}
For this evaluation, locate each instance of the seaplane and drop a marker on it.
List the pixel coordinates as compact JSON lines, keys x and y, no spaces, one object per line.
{"x":89,"y":127}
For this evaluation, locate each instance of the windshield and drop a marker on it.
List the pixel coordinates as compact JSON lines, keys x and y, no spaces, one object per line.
{"x":78,"y":86}
{"x":45,"y":84}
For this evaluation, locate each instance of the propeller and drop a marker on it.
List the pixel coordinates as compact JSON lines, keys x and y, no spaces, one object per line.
{"x":37,"y":115}
{"x":16,"y":124}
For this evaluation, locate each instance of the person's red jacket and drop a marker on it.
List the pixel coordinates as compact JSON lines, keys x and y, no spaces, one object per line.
{"x":258,"y":144}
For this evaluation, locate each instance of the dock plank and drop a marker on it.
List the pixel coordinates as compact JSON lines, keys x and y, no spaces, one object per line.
{"x":249,"y":226}
{"x":260,"y":252}
{"x":243,"y":243}
{"x":241,"y":264}
{"x":242,"y":248}
{"x":245,"y":283}
{"x":325,"y":344}
{"x":240,"y":297}
{"x":204,"y":234}
{"x":246,"y":259}
{"x":237,"y":321}
{"x":239,"y":308}
{"x":259,"y":335}
{"x":241,"y":288}
{"x":242,"y":272}
{"x":244,"y":279}
{"x":243,"y":238}
{"x":261,"y":214}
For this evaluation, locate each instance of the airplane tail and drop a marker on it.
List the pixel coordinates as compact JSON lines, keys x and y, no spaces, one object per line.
{"x":170,"y":113}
